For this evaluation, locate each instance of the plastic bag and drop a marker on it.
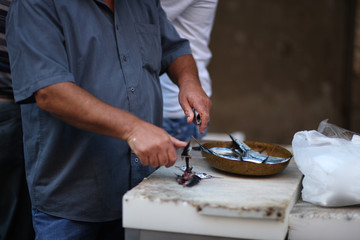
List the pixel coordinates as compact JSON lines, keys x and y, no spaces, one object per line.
{"x":330,"y":161}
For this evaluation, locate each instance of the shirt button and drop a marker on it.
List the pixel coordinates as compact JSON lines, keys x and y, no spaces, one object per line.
{"x":132,"y":89}
{"x":124,"y":58}
{"x":136,"y":160}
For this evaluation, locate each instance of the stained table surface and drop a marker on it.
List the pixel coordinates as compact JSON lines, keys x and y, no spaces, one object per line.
{"x":228,"y":205}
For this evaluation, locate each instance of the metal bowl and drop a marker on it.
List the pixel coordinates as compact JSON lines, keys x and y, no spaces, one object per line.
{"x":248,"y":168}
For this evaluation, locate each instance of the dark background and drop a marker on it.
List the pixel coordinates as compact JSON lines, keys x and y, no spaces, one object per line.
{"x":282,"y":66}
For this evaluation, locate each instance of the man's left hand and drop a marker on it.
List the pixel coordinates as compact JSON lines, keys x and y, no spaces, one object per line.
{"x":193,"y":96}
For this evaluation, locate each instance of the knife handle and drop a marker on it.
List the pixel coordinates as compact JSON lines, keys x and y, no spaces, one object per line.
{"x":197,"y":117}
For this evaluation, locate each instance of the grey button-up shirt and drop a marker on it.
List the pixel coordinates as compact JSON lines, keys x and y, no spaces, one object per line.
{"x":117,"y":57}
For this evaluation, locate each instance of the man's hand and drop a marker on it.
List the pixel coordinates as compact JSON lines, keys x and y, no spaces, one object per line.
{"x":153,"y":145}
{"x":193,"y":96}
{"x":184,"y":73}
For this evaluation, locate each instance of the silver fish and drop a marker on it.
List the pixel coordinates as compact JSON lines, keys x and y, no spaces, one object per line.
{"x":242,"y":153}
{"x":228,"y":153}
{"x":200,"y":175}
{"x":249,"y":155}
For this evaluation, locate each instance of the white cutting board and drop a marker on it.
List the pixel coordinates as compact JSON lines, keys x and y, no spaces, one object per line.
{"x":227,"y":206}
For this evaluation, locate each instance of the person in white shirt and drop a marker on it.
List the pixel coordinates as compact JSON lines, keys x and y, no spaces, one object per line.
{"x":193,"y":19}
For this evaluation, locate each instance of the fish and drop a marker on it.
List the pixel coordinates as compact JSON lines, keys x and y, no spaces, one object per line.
{"x":186,"y":155}
{"x":188,"y":178}
{"x":249,"y":155}
{"x":242,"y":152}
{"x":201,"y":175}
{"x":186,"y":151}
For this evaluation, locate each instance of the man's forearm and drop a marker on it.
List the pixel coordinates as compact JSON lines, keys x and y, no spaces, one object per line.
{"x":79,"y":108}
{"x":183,"y":72}
{"x":184,"y":69}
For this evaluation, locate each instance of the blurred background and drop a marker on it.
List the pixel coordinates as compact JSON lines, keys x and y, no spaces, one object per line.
{"x":282,"y":66}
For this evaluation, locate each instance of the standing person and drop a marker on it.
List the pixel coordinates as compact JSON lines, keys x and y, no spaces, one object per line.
{"x":15,"y":206}
{"x":87,"y":76}
{"x":193,"y":20}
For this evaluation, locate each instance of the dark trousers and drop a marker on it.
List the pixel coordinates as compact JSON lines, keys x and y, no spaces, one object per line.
{"x":180,"y":129}
{"x":55,"y":228}
{"x":15,"y":206}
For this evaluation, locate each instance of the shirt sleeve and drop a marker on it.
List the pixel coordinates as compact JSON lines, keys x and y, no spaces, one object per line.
{"x":172,"y":45}
{"x":36,"y":48}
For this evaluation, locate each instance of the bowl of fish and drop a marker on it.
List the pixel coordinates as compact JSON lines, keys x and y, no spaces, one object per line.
{"x":246,"y":157}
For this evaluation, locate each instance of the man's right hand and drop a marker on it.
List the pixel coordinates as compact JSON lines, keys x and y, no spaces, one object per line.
{"x":153,"y":145}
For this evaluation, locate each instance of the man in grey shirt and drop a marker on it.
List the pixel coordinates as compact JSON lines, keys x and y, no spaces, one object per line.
{"x":87,"y":76}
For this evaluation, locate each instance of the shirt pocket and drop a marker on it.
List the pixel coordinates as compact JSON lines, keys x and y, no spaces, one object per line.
{"x":148,"y":36}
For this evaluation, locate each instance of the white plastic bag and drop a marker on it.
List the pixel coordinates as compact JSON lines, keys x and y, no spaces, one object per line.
{"x":330,"y":164}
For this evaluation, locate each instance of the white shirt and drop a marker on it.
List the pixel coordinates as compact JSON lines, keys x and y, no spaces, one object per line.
{"x":193,"y":19}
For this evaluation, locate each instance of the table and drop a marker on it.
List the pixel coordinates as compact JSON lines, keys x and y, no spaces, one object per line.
{"x":307,"y":221}
{"x":228,"y":206}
